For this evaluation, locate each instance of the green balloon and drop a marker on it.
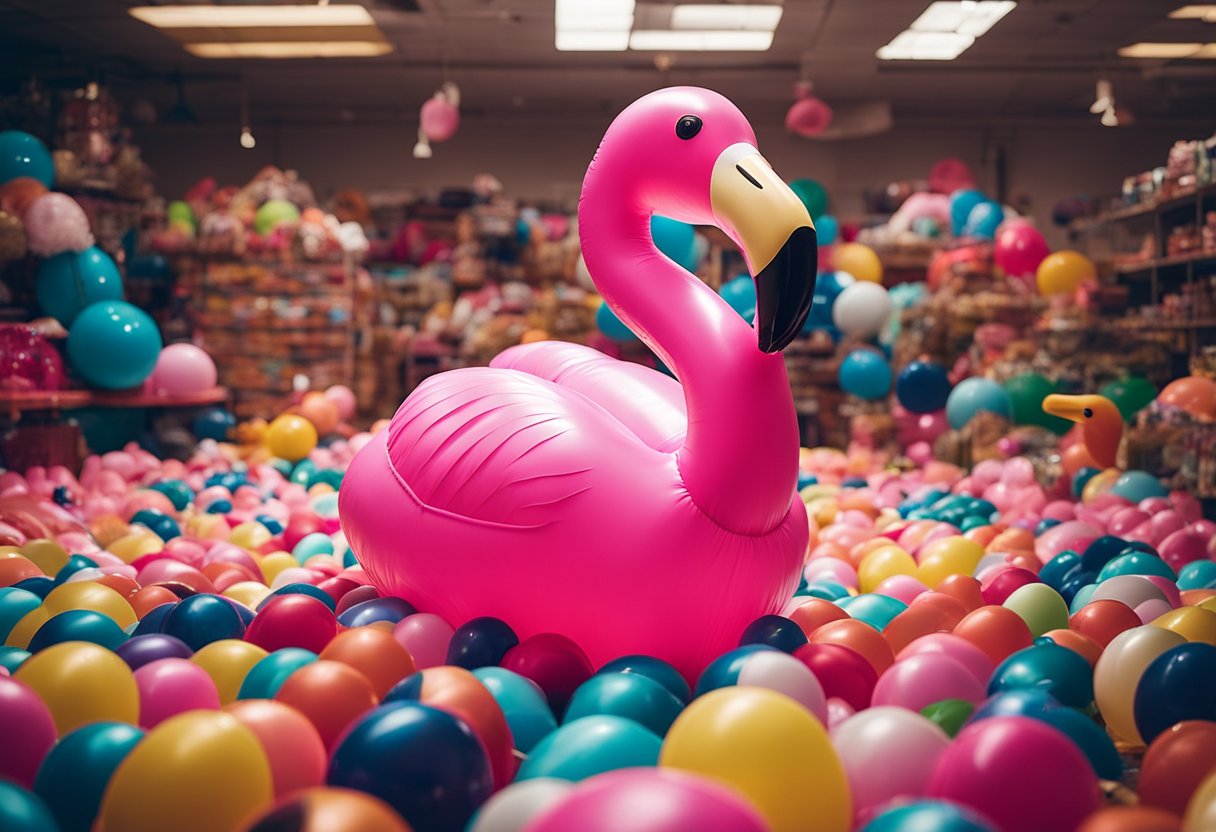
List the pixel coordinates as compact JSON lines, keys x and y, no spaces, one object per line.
{"x":1040,"y":606}
{"x":179,"y":211}
{"x":1027,"y":393}
{"x":949,"y":714}
{"x":813,"y":195}
{"x":272,"y":213}
{"x":1130,"y":395}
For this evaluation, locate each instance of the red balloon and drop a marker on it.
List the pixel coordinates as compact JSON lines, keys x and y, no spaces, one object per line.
{"x":916,"y":621}
{"x":859,"y":637}
{"x":964,"y":588}
{"x":1177,"y":761}
{"x":1001,"y":585}
{"x":1103,"y":619}
{"x":293,"y":621}
{"x":844,"y":674}
{"x":331,"y":694}
{"x":554,"y":662}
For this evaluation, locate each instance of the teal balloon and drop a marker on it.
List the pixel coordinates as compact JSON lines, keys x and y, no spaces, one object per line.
{"x":961,"y":203}
{"x":180,"y":494}
{"x":1084,"y":594}
{"x":590,"y":746}
{"x":1198,"y":574}
{"x":1079,"y":480}
{"x":655,"y":669}
{"x":813,"y":195}
{"x":522,"y":702}
{"x":1093,"y":741}
{"x":611,"y":325}
{"x":78,"y":625}
{"x":214,"y":423}
{"x":983,"y":220}
{"x":70,"y":281}
{"x":872,"y":608}
{"x":865,"y":374}
{"x":740,"y":294}
{"x":114,"y":345}
{"x":24,"y":155}
{"x":675,"y":239}
{"x":1137,"y":486}
{"x":928,"y":816}
{"x":1137,"y":563}
{"x":628,"y":695}
{"x":827,"y":229}
{"x":12,"y":658}
{"x":23,"y":811}
{"x":1047,"y":667}
{"x":14,"y":605}
{"x":74,"y":775}
{"x":266,"y":677}
{"x":973,"y":395}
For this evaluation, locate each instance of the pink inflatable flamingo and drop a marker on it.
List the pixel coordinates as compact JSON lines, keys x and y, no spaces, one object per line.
{"x":563,"y":491}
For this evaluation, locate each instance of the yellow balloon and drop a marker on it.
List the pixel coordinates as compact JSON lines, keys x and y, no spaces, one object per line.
{"x":1061,"y":272}
{"x":823,"y":510}
{"x":1192,"y":623}
{"x":291,"y":437}
{"x":887,"y":518}
{"x":1099,"y":484}
{"x":1118,"y":671}
{"x":770,"y":749}
{"x":858,"y":260}
{"x":208,"y":527}
{"x":881,"y":564}
{"x":81,"y":683}
{"x":1201,"y":809}
{"x":249,"y":593}
{"x":77,"y":595}
{"x":227,"y":662}
{"x":201,"y":771}
{"x":274,"y":563}
{"x":948,"y":556}
{"x":320,"y":488}
{"x":252,"y":535}
{"x":135,"y":545}
{"x":1209,"y":604}
{"x":47,"y":555}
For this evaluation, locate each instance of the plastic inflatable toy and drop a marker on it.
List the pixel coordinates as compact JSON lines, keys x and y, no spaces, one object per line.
{"x":1100,"y":421}
{"x":563,"y":491}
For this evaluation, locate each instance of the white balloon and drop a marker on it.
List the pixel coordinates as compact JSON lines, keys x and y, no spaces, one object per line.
{"x":518,"y":804}
{"x":582,"y":276}
{"x":783,"y":673}
{"x":862,"y":309}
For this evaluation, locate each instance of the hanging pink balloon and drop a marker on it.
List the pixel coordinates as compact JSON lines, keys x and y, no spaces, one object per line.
{"x":55,"y":223}
{"x":440,"y":118}
{"x":949,"y":175}
{"x":808,"y":116}
{"x":1019,"y":248}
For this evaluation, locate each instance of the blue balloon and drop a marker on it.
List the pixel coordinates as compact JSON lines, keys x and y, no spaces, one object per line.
{"x":1078,"y":590}
{"x":1048,"y":667}
{"x":78,"y":625}
{"x":1094,"y":742}
{"x":301,"y":589}
{"x":114,"y":345}
{"x":75,"y":564}
{"x":202,"y":619}
{"x":723,"y":672}
{"x":828,"y":286}
{"x":425,"y":763}
{"x":180,"y":494}
{"x":1101,"y":552}
{"x":24,"y":155}
{"x":590,"y":746}
{"x":15,"y":604}
{"x":961,"y":203}
{"x":827,"y":229}
{"x":377,"y":609}
{"x":675,"y":239}
{"x":629,"y":695}
{"x":774,"y":631}
{"x":214,"y":423}
{"x":928,"y":816}
{"x":1176,"y":686}
{"x":922,"y":387}
{"x":983,"y":220}
{"x":71,"y":281}
{"x":522,"y":702}
{"x":40,"y":585}
{"x":481,"y":642}
{"x":1059,"y":569}
{"x":740,"y":294}
{"x":865,"y":374}
{"x":972,"y":395}
{"x":1029,"y":702}
{"x":266,"y":677}
{"x":611,"y":325}
{"x":153,"y":620}
{"x":74,"y":775}
{"x":654,"y":669}
{"x":1137,"y":563}
{"x":152,"y":647}
{"x":1137,"y":486}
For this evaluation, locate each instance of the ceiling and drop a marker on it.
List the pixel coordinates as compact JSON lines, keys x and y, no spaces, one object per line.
{"x":1039,"y":64}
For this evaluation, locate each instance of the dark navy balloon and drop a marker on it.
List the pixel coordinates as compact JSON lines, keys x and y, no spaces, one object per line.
{"x":481,"y":642}
{"x":202,"y":619}
{"x":774,"y":631}
{"x":153,"y":620}
{"x":1179,"y":684}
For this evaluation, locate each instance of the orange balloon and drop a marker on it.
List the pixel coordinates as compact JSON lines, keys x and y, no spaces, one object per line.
{"x":1195,"y":597}
{"x":16,"y":195}
{"x":144,"y":600}
{"x":1012,"y":540}
{"x":533,"y":336}
{"x":860,"y":638}
{"x":327,"y":809}
{"x":954,"y":609}
{"x":1177,"y":761}
{"x":1103,"y":619}
{"x":16,"y":569}
{"x":1078,"y":643}
{"x":828,"y":549}
{"x":916,"y":621}
{"x":815,"y":613}
{"x":321,"y":411}
{"x":1194,"y":394}
{"x":121,"y":584}
{"x":852,"y":501}
{"x":457,"y":691}
{"x":965,"y":589}
{"x":995,"y":630}
{"x":293,"y":747}
{"x":1131,"y":819}
{"x":1076,"y":458}
{"x":374,"y":653}
{"x":983,"y":535}
{"x":331,"y":694}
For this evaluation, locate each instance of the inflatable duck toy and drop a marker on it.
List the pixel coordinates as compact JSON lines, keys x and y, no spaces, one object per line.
{"x":563,"y":491}
{"x":1100,"y":421}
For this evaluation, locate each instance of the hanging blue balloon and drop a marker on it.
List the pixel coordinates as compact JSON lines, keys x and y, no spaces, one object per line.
{"x":612,"y":326}
{"x":961,"y":203}
{"x":923,"y":387}
{"x":114,"y":345}
{"x":984,"y":220}
{"x":675,"y":239}
{"x":740,"y":294}
{"x":24,"y":155}
{"x":214,"y":423}
{"x":865,"y":374}
{"x":70,"y":281}
{"x":827,"y":229}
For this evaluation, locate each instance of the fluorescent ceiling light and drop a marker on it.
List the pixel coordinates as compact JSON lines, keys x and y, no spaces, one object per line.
{"x":1206,"y":13}
{"x":706,"y":17}
{"x":291,"y":49}
{"x":594,"y":15}
{"x":568,"y":41}
{"x":1161,"y":50}
{"x":659,"y":40}
{"x":925,"y":46}
{"x":248,"y":17}
{"x":966,"y":17}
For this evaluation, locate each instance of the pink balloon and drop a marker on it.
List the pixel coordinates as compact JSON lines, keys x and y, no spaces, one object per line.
{"x":1060,"y":510}
{"x":649,"y":800}
{"x":901,"y":587}
{"x":1154,"y":504}
{"x":1056,"y":786}
{"x":955,"y":647}
{"x":28,"y":730}
{"x":440,"y":119}
{"x":1151,"y":610}
{"x":1019,"y":248}
{"x":838,"y":711}
{"x":832,"y":569}
{"x":1168,"y":588}
{"x":1165,"y":523}
{"x":921,"y":680}
{"x":1072,"y":534}
{"x":55,"y":223}
{"x":182,"y":370}
{"x":808,"y":116}
{"x":425,"y":637}
{"x":1124,"y":520}
{"x":168,"y":687}
{"x":344,"y":398}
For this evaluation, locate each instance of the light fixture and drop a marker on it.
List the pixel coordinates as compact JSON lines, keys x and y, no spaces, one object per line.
{"x":1103,"y":97}
{"x":247,"y":140}
{"x":208,"y":16}
{"x":1109,"y":118}
{"x":1205,"y":12}
{"x":576,"y":41}
{"x":945,"y":30}
{"x":1168,"y":51}
{"x":650,"y":40}
{"x":698,"y":17}
{"x":422,"y":149}
{"x":925,"y":46}
{"x":291,"y":49}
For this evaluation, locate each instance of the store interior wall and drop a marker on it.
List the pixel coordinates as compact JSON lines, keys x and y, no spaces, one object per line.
{"x":544,"y":158}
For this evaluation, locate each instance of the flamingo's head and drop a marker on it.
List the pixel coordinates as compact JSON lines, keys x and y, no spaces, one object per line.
{"x":689,"y":154}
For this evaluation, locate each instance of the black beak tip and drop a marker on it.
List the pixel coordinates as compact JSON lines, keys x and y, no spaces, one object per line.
{"x":784,"y":290}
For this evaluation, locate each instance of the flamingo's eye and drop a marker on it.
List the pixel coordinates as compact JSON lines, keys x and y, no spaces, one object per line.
{"x":688,"y":126}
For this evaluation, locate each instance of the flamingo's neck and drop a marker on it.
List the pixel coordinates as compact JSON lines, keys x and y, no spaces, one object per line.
{"x":739,"y":461}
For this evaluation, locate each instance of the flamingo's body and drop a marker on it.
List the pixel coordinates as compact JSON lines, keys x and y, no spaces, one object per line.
{"x":563,"y":491}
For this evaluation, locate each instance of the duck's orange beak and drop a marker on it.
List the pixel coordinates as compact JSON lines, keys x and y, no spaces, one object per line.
{"x":1073,"y":408}
{"x":771,"y":226}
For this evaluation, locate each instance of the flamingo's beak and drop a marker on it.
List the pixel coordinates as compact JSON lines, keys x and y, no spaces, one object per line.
{"x":772,"y":227}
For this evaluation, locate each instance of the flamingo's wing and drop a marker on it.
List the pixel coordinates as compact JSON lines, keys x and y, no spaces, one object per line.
{"x":648,"y":403}
{"x":500,"y":446}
